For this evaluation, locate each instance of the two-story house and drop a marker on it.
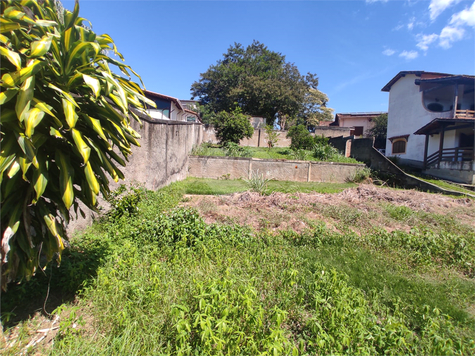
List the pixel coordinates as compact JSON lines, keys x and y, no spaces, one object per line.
{"x":431,"y":123}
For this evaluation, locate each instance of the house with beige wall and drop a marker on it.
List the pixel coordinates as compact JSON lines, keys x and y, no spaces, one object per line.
{"x":358,"y":122}
{"x":431,"y":123}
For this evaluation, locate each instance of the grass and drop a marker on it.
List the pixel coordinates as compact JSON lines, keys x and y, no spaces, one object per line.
{"x":151,"y":278}
{"x":272,"y":153}
{"x":207,"y":186}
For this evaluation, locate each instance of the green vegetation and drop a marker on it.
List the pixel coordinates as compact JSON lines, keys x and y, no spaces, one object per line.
{"x":379,"y":130}
{"x":332,"y":155}
{"x":264,"y":84}
{"x":154,"y":278}
{"x":232,"y":126}
{"x":206,"y":186}
{"x":65,"y":117}
{"x":447,"y":185}
{"x":300,"y":138}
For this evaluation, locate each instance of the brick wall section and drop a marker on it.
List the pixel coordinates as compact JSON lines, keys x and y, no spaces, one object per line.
{"x":297,"y":171}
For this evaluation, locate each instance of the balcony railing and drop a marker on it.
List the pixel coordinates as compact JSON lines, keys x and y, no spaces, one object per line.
{"x":457,"y":154}
{"x":464,"y":114}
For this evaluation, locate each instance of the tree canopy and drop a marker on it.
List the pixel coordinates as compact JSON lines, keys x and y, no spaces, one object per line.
{"x":262,"y":83}
{"x":65,"y":124}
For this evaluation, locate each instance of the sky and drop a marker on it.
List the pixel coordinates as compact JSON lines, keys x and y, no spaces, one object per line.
{"x":355,"y":47}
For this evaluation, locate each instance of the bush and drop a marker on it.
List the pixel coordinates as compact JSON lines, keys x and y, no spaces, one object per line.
{"x":323,"y":150}
{"x":300,"y":138}
{"x":232,"y":126}
{"x":232,"y":149}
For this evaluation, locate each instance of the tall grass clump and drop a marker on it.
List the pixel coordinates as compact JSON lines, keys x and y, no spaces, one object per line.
{"x":257,"y":182}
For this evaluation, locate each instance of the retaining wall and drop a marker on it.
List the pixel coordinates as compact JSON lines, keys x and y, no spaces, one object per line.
{"x":297,"y":171}
{"x":364,"y":151}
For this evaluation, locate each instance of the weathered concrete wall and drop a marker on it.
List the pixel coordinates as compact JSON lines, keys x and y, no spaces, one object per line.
{"x":258,"y":138}
{"x":163,"y":155}
{"x":162,"y":158}
{"x":218,"y":167}
{"x":298,"y":171}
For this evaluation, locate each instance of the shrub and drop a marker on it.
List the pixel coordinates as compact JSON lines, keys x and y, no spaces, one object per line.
{"x":232,"y":126}
{"x":232,"y":149}
{"x":300,"y":138}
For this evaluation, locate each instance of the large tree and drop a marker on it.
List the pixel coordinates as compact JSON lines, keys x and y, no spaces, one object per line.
{"x":262,"y":83}
{"x":64,"y":126}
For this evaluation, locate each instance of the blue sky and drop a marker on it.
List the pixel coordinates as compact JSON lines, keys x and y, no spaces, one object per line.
{"x":355,"y":47}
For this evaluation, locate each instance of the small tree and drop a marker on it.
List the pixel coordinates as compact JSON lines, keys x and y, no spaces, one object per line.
{"x":232,"y":126}
{"x":379,"y":130}
{"x":272,"y":136}
{"x":300,"y":138}
{"x":64,"y":125}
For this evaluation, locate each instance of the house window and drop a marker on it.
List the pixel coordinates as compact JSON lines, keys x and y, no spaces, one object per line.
{"x":399,"y":146}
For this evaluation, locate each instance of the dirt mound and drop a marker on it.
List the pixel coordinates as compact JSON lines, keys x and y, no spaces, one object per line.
{"x":283,"y":211}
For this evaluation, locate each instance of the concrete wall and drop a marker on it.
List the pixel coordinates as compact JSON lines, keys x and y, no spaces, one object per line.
{"x":161,"y":159}
{"x":163,"y":155}
{"x":259,"y":138}
{"x":363,"y":150}
{"x":298,"y":171}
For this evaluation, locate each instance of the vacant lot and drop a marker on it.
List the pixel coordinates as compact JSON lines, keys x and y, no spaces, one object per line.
{"x":359,"y":270}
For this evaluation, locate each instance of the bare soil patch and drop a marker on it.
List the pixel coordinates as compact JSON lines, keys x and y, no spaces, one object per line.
{"x":363,"y":206}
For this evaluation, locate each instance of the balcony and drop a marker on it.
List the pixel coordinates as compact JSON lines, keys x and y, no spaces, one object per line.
{"x":464,"y":114}
{"x":456,"y":155}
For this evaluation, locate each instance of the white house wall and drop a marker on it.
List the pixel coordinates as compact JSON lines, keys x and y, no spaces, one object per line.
{"x":406,"y":114}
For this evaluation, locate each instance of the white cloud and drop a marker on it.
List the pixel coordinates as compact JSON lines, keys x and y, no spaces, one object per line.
{"x":398,"y":27}
{"x":409,"y":55}
{"x":436,"y":7}
{"x":425,"y":40}
{"x":449,"y":35}
{"x":389,"y":52}
{"x":455,"y":31}
{"x":410,"y":25}
{"x":465,"y":17}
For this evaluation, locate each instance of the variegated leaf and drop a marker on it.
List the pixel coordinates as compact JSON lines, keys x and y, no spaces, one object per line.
{"x":69,"y":113}
{"x":32,"y":118}
{"x":13,"y":57}
{"x":65,"y":181}
{"x":91,"y":178}
{"x":83,"y":148}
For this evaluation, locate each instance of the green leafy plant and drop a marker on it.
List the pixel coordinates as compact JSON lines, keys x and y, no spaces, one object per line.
{"x":360,"y":175}
{"x":272,"y":136}
{"x":300,"y":138}
{"x":232,"y":149}
{"x":257,"y":182}
{"x":65,"y":124}
{"x":299,"y":154}
{"x":232,"y":126}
